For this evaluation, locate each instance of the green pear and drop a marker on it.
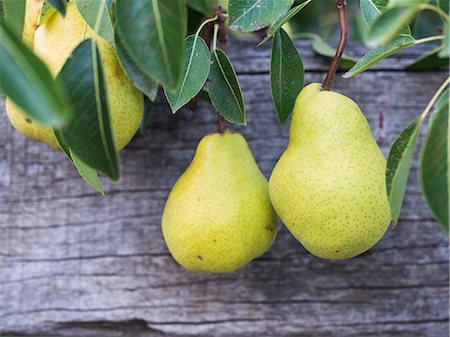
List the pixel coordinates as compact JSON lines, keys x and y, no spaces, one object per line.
{"x":218,"y":216}
{"x":329,"y":185}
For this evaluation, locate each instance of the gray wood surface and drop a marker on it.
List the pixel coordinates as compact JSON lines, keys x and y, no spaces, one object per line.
{"x":73,"y":263}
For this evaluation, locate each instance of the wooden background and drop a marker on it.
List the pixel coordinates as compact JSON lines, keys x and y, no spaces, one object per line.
{"x":73,"y":263}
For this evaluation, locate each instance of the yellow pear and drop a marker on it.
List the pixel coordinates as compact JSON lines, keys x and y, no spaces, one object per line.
{"x":32,"y":12}
{"x":218,"y":216}
{"x":54,"y":41}
{"x":329,"y":185}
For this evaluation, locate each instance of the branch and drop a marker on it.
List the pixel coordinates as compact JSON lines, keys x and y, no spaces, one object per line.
{"x":328,"y":82}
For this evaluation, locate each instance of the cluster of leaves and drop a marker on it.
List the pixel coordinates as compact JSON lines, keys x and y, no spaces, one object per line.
{"x":162,"y":44}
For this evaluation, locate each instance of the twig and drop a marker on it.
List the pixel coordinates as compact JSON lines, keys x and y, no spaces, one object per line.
{"x":222,"y":38}
{"x":328,"y":82}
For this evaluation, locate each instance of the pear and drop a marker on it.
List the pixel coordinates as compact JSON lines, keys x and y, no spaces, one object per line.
{"x":32,"y":13}
{"x":329,"y":185}
{"x":54,"y":41}
{"x":218,"y":216}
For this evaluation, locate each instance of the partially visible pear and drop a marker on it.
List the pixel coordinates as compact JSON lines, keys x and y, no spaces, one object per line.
{"x":329,"y":185}
{"x":32,"y":13}
{"x":54,"y":41}
{"x":218,"y":216}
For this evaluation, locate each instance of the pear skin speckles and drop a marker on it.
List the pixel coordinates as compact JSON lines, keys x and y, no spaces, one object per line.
{"x":329,"y":187}
{"x":218,"y":216}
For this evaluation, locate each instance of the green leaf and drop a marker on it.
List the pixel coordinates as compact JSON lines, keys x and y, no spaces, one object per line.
{"x":88,"y":174}
{"x":152,"y":34}
{"x":60,"y":5}
{"x":205,"y":7}
{"x":371,"y":10}
{"x":444,"y":5}
{"x":389,"y":25}
{"x":252,"y":15}
{"x":14,"y":14}
{"x":224,"y":89}
{"x":195,"y":70}
{"x":405,"y":3}
{"x":148,"y":106}
{"x":284,"y":19}
{"x":434,"y":163}
{"x":144,"y":83}
{"x":28,"y":82}
{"x":89,"y":11}
{"x":399,"y":164}
{"x":381,"y":4}
{"x":377,"y":54}
{"x":445,"y":52}
{"x":429,"y":61}
{"x":46,"y":13}
{"x":89,"y":135}
{"x":286,"y":75}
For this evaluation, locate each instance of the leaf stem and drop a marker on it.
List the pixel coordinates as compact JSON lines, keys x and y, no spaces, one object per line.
{"x":434,"y":99}
{"x":216,"y":32}
{"x":98,"y":21}
{"x":83,"y":34}
{"x":204,"y":23}
{"x":435,"y":9}
{"x":429,"y":39}
{"x":328,"y":82}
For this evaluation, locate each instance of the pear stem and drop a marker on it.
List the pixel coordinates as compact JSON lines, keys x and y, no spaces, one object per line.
{"x":222,"y":38}
{"x":222,"y":124}
{"x":328,"y":82}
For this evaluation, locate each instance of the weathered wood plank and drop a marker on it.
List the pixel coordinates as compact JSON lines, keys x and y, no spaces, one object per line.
{"x":76,"y":264}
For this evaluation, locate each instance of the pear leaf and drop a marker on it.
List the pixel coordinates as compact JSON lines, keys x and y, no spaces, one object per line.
{"x":371,"y":9}
{"x":144,"y":83}
{"x":88,"y":174}
{"x":89,"y":11}
{"x":434,"y":163}
{"x":195,"y":70}
{"x":59,"y":5}
{"x":89,"y":135}
{"x":148,"y":106}
{"x":224,"y":90}
{"x":28,"y":82}
{"x":284,"y":19}
{"x":399,"y":164}
{"x":444,"y":5}
{"x":377,"y":54}
{"x":205,"y":7}
{"x":428,"y":61}
{"x":252,"y":15}
{"x":14,"y":15}
{"x":389,"y":25}
{"x":152,"y":33}
{"x":286,"y":75}
{"x":445,"y":52}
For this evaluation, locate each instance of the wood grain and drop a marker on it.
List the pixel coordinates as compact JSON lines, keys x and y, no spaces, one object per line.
{"x":73,"y":263}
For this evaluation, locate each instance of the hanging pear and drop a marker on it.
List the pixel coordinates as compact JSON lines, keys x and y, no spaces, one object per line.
{"x":218,"y":216}
{"x":54,"y":42}
{"x":329,"y":185}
